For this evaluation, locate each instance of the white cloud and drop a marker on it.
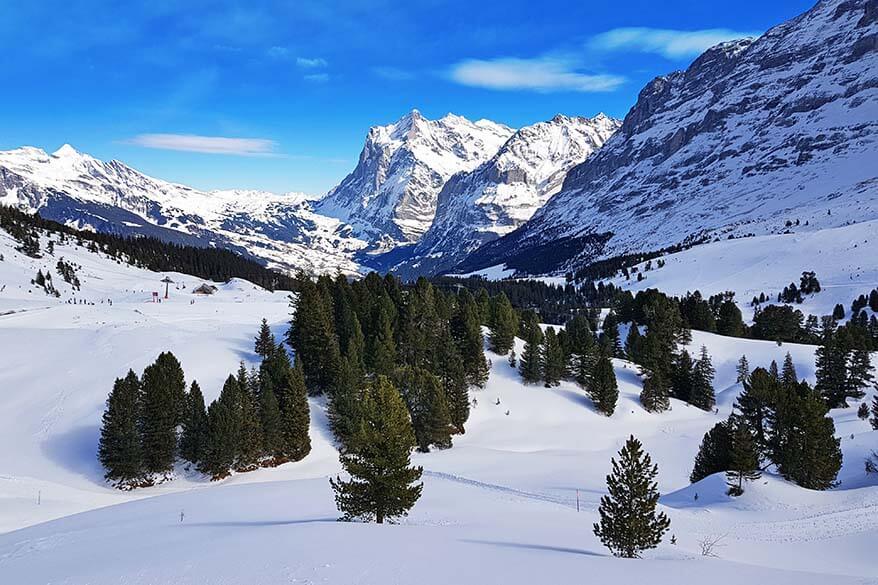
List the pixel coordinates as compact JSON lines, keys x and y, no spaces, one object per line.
{"x":207,"y":144}
{"x":673,"y":44}
{"x":542,"y":74}
{"x":310,"y":63}
{"x":279,"y":52}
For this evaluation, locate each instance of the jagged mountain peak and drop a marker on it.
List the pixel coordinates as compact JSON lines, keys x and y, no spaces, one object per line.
{"x":503,"y":192}
{"x":390,"y":198}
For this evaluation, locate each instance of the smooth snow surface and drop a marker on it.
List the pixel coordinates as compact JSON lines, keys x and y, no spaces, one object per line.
{"x":499,"y":507}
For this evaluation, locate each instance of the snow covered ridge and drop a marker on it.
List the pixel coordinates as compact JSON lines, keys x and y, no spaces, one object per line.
{"x":79,"y":190}
{"x":390,"y":197}
{"x":753,"y":134}
{"x":505,"y":191}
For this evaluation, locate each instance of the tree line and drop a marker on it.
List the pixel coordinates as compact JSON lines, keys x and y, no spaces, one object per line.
{"x":215,"y":264}
{"x":260,"y":419}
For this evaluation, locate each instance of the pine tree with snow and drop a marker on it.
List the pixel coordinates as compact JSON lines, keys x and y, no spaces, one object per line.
{"x":874,"y":420}
{"x":683,"y":377}
{"x":633,"y":343}
{"x":810,"y":454}
{"x":773,"y":371}
{"x":629,"y":523}
{"x":714,"y":453}
{"x":503,"y":323}
{"x":270,"y":421}
{"x":743,"y":370}
{"x":467,"y":329}
{"x":194,"y":439}
{"x":602,"y":387}
{"x":703,"y":395}
{"x":832,"y":367}
{"x":859,"y":373}
{"x":343,"y":411}
{"x":382,"y":480}
{"x":312,"y":335}
{"x":452,"y":376}
{"x":250,"y":436}
{"x":756,"y":405}
{"x":513,"y":359}
{"x":610,"y":335}
{"x":163,"y":400}
{"x":265,"y":342}
{"x":743,"y":459}
{"x":119,"y":448}
{"x":863,"y":411}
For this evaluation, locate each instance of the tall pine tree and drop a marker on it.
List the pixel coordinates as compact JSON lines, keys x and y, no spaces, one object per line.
{"x":119,"y":449}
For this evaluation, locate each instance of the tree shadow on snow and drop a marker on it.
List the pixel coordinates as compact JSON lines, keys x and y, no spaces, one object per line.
{"x":77,"y":451}
{"x":259,"y":523}
{"x":539,"y":547}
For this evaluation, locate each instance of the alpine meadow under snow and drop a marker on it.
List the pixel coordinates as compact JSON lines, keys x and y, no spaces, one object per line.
{"x":583,"y":350}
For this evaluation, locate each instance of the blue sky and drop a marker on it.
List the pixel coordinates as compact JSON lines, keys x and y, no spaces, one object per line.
{"x":279,"y":95}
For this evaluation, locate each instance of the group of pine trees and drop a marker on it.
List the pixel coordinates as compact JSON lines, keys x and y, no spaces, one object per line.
{"x":843,"y":365}
{"x":778,"y":421}
{"x":426,"y":342}
{"x":573,"y":352}
{"x":261,"y":418}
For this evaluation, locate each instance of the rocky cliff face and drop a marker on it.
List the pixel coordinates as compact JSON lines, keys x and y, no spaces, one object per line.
{"x":79,"y":190}
{"x":754,"y":134}
{"x":390,"y":198}
{"x":505,"y":191}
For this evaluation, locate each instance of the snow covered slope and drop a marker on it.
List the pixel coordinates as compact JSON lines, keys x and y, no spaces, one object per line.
{"x":79,"y":190}
{"x":390,"y":197}
{"x":755,"y":133}
{"x":502,"y":193}
{"x":500,"y":506}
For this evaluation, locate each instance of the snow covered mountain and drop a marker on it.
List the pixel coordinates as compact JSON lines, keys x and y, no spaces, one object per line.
{"x":390,"y":198}
{"x":79,"y":190}
{"x":505,"y":191}
{"x":755,"y":137}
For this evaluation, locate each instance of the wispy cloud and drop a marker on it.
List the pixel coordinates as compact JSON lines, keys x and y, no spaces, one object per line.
{"x":310,"y":62}
{"x":673,"y":44}
{"x":541,"y":74}
{"x":393,"y":73}
{"x":207,"y":144}
{"x":279,"y":53}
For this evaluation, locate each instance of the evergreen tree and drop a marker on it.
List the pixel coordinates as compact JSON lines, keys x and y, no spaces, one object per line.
{"x":467,"y":328}
{"x":810,"y":454}
{"x":743,"y":370}
{"x":743,"y":458}
{"x":683,"y":377}
{"x":655,"y":396}
{"x":730,"y":321}
{"x":250,"y":436}
{"x":863,"y":411}
{"x":270,"y":421}
{"x":874,"y":420}
{"x":119,"y":449}
{"x":773,"y":371}
{"x":530,"y":362}
{"x":224,"y":428}
{"x":714,"y":455}
{"x":831,"y":367}
{"x":702,"y":382}
{"x":633,"y":343}
{"x":503,"y":323}
{"x":381,"y":353}
{"x":381,"y":485}
{"x":453,"y":379}
{"x":513,"y":359}
{"x":163,"y":400}
{"x":265,"y":342}
{"x":553,"y":361}
{"x":756,"y":405}
{"x":602,"y":386}
{"x":312,"y":335}
{"x":788,"y":376}
{"x":610,"y":335}
{"x":428,"y":407}
{"x":194,"y":439}
{"x":859,"y":373}
{"x":629,"y":523}
{"x":292,"y":397}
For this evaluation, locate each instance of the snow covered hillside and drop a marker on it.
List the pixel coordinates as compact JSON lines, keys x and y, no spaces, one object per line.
{"x":502,"y":193}
{"x":79,"y":190}
{"x":512,"y":502}
{"x":390,"y":197}
{"x":755,"y":137}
